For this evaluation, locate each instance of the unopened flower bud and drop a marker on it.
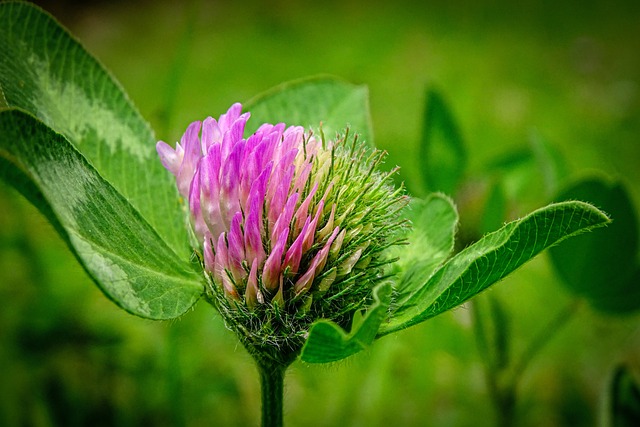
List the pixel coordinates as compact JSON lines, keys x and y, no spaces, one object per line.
{"x":285,"y":220}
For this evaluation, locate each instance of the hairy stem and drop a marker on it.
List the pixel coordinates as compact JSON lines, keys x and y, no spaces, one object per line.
{"x":272,"y":387}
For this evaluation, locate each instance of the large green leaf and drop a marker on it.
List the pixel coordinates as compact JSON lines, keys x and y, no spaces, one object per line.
{"x":119,"y":249}
{"x":603,"y":266}
{"x":310,"y":102}
{"x":492,"y":258}
{"x":46,"y":72}
{"x":442,"y":153}
{"x":328,"y":342}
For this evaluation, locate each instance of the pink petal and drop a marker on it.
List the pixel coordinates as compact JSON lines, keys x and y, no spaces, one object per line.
{"x":272,"y":266}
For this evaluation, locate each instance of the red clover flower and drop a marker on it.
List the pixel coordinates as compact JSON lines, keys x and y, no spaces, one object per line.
{"x":291,"y":228}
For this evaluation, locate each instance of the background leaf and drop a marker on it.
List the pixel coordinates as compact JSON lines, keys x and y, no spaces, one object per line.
{"x":119,"y":249}
{"x":328,"y":342}
{"x":603,"y":266}
{"x":46,"y":72}
{"x":442,"y":153}
{"x":492,"y":258}
{"x":309,"y":102}
{"x":625,"y":399}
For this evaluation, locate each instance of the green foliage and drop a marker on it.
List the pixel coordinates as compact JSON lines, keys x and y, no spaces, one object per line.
{"x":602,"y":267}
{"x":76,"y":147}
{"x":443,"y":157}
{"x":46,"y":72}
{"x":325,"y":101}
{"x":491,"y":259}
{"x":121,"y":251}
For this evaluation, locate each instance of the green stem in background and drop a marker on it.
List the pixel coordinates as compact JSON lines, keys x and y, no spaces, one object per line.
{"x":272,"y":387}
{"x":503,"y":377}
{"x":544,"y":336}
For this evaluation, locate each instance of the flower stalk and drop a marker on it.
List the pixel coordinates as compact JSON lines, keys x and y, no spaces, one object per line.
{"x":272,"y":393}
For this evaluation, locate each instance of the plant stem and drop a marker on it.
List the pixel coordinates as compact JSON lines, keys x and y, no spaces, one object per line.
{"x":272,"y":387}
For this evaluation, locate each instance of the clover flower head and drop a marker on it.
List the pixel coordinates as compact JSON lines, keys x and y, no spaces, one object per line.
{"x":291,"y":227}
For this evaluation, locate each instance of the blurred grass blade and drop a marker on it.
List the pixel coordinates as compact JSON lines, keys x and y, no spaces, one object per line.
{"x":603,"y":266}
{"x":328,"y":342}
{"x":120,"y":250}
{"x":429,"y":242}
{"x":442,"y":153}
{"x":45,"y":71}
{"x":491,"y":258}
{"x":309,"y":102}
{"x":625,"y":399}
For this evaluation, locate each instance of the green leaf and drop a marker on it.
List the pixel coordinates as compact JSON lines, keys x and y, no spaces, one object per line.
{"x":429,"y":242}
{"x":442,"y":150}
{"x":328,"y":342}
{"x":309,"y":102}
{"x":45,"y":71}
{"x":118,"y":248}
{"x":602,"y":266}
{"x":492,"y":258}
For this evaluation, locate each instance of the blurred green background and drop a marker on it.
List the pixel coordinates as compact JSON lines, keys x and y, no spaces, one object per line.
{"x":567,"y":72}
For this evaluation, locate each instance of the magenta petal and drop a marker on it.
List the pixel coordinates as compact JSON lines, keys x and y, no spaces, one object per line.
{"x":278,"y":197}
{"x":294,"y":254}
{"x":272,"y":266}
{"x":252,"y":294}
{"x":171,"y":159}
{"x":303,"y":284}
{"x":302,"y":212}
{"x":235,"y":240}
{"x":227,"y":119}
{"x":309,"y":231}
{"x":253,"y":224}
{"x":192,"y":153}
{"x":194,"y":205}
{"x":209,"y":256}
{"x":210,"y":133}
{"x":284,"y":219}
{"x":221,"y":260}
{"x":210,"y":190}
{"x":229,"y":184}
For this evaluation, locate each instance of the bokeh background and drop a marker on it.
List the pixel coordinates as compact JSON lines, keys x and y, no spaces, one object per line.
{"x":567,"y":72}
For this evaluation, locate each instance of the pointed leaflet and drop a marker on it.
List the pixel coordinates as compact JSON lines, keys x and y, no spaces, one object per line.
{"x":119,"y":249}
{"x":328,"y":342}
{"x":46,"y":72}
{"x":442,"y":151}
{"x":308,"y":102}
{"x":492,"y":258}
